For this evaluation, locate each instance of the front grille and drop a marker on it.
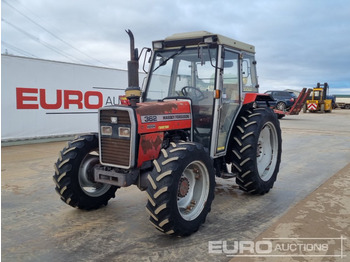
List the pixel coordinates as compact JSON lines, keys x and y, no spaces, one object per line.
{"x":115,"y":150}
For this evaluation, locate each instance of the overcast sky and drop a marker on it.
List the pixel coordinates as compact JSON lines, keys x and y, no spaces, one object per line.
{"x":298,"y":42}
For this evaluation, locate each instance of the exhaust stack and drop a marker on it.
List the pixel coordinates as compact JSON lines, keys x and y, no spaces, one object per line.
{"x":133,"y":92}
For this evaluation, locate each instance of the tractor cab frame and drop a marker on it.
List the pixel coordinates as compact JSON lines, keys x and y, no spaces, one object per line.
{"x":214,"y":72}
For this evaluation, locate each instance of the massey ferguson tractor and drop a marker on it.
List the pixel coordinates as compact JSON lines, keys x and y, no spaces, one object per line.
{"x":199,"y":115}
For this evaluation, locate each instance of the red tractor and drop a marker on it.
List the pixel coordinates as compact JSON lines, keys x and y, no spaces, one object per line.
{"x":198,"y":116}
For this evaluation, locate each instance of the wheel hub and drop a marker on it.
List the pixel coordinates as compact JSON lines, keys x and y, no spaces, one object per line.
{"x":259,"y":149}
{"x":86,"y":178}
{"x":184,"y":186}
{"x":267,"y":150}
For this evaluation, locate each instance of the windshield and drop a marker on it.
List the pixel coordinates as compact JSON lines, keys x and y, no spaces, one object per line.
{"x":317,"y":95}
{"x":182,"y":73}
{"x":190,"y":74}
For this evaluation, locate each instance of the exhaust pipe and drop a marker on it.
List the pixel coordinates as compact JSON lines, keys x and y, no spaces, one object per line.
{"x":133,"y":92}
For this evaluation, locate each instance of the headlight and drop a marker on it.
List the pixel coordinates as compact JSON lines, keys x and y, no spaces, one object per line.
{"x":106,"y":130}
{"x":158,"y":45}
{"x":124,"y":131}
{"x":208,"y":40}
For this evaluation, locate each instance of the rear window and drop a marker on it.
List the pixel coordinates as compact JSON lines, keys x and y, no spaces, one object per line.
{"x":284,"y":94}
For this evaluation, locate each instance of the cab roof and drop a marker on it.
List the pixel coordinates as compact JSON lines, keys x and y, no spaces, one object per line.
{"x":201,"y":37}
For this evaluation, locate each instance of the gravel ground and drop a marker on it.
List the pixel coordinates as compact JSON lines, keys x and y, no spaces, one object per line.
{"x":307,"y":201}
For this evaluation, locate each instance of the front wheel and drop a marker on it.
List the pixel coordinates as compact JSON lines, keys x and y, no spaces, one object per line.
{"x":180,"y":189}
{"x":322,"y":108}
{"x":255,"y":150}
{"x":74,"y":175}
{"x":304,"y":108}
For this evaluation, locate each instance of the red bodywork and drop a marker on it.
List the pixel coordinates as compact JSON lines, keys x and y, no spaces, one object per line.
{"x":252,"y":97}
{"x":163,"y":116}
{"x":153,"y":119}
{"x":149,"y":147}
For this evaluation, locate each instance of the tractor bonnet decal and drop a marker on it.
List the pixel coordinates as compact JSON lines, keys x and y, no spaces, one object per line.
{"x":163,"y":118}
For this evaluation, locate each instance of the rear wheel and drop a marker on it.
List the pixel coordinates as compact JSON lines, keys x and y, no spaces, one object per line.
{"x":330,"y":109}
{"x":74,"y":175}
{"x":255,"y":150}
{"x":180,"y":189}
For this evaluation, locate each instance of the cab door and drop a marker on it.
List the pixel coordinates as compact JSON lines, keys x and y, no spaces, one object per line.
{"x":237,"y":77}
{"x":230,"y":99}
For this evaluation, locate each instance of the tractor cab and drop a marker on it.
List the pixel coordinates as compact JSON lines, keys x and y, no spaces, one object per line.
{"x":212,"y":72}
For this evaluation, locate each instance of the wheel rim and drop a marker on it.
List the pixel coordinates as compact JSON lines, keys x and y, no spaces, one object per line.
{"x":193,"y":190}
{"x":281,"y":106}
{"x":267,"y":151}
{"x":86,"y":177}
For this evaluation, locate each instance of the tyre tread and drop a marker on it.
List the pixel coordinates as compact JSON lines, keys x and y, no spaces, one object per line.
{"x":243,"y":151}
{"x":160,"y":205}
{"x":66,"y":175}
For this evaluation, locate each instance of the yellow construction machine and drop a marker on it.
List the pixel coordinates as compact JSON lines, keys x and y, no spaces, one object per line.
{"x":318,"y":101}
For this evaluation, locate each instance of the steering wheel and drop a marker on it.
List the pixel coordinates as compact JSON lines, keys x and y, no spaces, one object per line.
{"x":193,"y":92}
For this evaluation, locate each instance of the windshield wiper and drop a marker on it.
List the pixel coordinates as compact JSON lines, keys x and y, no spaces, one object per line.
{"x":170,"y":57}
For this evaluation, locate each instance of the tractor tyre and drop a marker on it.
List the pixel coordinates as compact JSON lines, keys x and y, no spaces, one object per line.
{"x":255,"y":150}
{"x":180,"y":189}
{"x":74,"y":175}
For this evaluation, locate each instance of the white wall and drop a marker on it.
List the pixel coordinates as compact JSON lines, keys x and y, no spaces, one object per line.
{"x":31,"y":90}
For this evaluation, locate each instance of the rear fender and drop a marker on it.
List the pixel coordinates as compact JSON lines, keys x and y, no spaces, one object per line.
{"x":254,"y":97}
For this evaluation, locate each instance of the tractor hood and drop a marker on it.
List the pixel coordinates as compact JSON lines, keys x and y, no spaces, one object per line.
{"x":163,"y":116}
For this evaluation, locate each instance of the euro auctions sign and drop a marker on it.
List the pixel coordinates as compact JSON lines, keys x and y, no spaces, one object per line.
{"x":33,"y":98}
{"x":43,"y":98}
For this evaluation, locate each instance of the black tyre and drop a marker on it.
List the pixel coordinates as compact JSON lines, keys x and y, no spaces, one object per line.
{"x":256,"y":147}
{"x":322,"y":108}
{"x":304,"y":108}
{"x":74,"y":175}
{"x":181,"y":189}
{"x":281,"y":106}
